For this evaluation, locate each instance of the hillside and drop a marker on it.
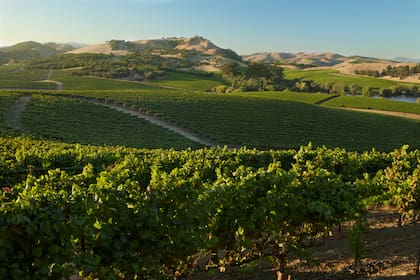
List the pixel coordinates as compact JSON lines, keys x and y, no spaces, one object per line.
{"x":406,"y":59}
{"x":313,"y":59}
{"x":31,"y":49}
{"x":196,"y":44}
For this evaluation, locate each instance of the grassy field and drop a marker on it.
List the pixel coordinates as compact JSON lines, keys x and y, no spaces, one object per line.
{"x":73,"y":121}
{"x":264,"y":122}
{"x":333,"y":76}
{"x":188,"y":81}
{"x":373,"y":103}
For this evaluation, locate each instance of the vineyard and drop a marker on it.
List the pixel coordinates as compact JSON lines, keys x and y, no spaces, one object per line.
{"x":188,"y":81}
{"x":242,"y":119}
{"x":114,"y":212}
{"x":19,"y":78}
{"x":74,"y":121}
{"x":373,"y":103}
{"x":93,"y":83}
{"x":91,"y":190}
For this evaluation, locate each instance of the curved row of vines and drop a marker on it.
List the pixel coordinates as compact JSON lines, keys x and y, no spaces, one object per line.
{"x":114,"y":212}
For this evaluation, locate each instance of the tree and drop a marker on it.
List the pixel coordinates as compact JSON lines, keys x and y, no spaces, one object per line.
{"x":231,"y":69}
{"x":270,"y":72}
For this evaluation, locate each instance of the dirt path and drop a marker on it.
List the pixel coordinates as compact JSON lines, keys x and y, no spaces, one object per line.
{"x":14,"y":114}
{"x":381,"y":112}
{"x":60,"y":85}
{"x":156,"y":121}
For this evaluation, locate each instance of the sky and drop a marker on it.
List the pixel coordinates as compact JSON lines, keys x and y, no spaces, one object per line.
{"x":376,"y":28}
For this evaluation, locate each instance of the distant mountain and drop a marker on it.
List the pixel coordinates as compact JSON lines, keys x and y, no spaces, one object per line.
{"x":197,"y":44}
{"x":31,"y":49}
{"x":405,"y":59}
{"x":76,"y":45}
{"x":59,"y":47}
{"x":314,"y":59}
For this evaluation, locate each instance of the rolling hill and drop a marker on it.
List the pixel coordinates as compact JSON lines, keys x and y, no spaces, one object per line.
{"x":197,"y":45}
{"x":31,"y":49}
{"x":313,"y":59}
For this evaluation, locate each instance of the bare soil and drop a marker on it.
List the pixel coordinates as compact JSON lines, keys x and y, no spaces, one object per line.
{"x":390,"y":252}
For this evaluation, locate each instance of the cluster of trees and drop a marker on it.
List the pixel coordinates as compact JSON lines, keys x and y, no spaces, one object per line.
{"x":401,"y":72}
{"x":257,"y":77}
{"x":353,"y":89}
{"x":136,"y":65}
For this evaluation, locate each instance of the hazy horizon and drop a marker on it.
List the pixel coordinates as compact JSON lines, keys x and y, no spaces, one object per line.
{"x":376,"y":28}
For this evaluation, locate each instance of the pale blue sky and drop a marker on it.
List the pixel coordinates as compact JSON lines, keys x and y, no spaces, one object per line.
{"x":379,"y":28}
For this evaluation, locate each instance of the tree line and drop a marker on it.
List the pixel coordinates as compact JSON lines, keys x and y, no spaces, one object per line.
{"x":400,"y":72}
{"x":266,"y":77}
{"x":256,"y":77}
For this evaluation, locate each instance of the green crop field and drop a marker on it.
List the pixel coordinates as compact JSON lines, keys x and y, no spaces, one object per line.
{"x":303,"y":97}
{"x":120,"y":213}
{"x":24,"y":75}
{"x":271,"y":123}
{"x":9,"y":68}
{"x":373,"y":103}
{"x":333,"y":76}
{"x":13,"y":77}
{"x":12,"y":84}
{"x":188,"y":81}
{"x":74,"y":121}
{"x":91,"y":83}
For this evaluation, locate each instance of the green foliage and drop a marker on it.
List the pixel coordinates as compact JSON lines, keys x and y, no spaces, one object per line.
{"x":113,"y":212}
{"x":325,"y":80}
{"x":257,"y":77}
{"x":355,"y":243}
{"x":230,"y":69}
{"x":402,"y":71}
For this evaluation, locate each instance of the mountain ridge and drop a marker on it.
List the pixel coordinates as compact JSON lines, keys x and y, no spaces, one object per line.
{"x":202,"y":48}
